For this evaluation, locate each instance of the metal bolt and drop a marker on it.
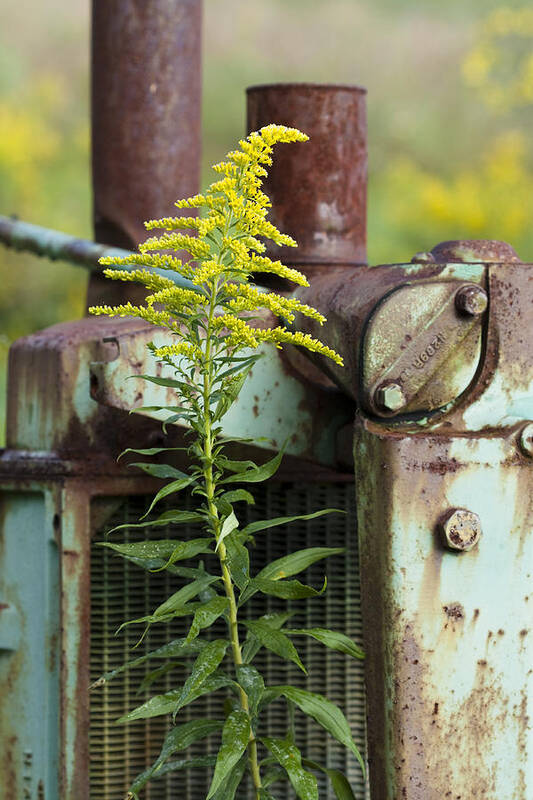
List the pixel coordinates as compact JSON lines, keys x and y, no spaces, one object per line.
{"x":526,"y":440}
{"x":471,"y":300}
{"x":461,"y":529}
{"x":390,"y":397}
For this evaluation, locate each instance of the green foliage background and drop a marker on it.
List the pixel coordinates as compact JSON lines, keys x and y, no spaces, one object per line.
{"x":450,"y":108}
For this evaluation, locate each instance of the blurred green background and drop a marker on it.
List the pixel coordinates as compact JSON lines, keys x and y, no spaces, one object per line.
{"x":450,"y":107}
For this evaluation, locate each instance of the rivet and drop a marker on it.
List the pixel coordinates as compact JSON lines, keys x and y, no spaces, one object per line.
{"x":526,"y":439}
{"x":471,"y":300}
{"x":390,"y":397}
{"x":460,"y":528}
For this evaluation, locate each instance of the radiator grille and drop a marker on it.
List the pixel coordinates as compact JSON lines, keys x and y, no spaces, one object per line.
{"x":123,"y":591}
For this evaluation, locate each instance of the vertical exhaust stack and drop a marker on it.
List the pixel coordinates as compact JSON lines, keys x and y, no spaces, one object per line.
{"x":146,"y":117}
{"x":318,"y":190}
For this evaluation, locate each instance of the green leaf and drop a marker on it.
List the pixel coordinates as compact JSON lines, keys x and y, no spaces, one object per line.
{"x":155,"y":674}
{"x":296,"y":562}
{"x":162,"y":704}
{"x":177,"y":648}
{"x":179,"y":738}
{"x":229,"y":392}
{"x":230,"y":524}
{"x":206,"y":663}
{"x":228,"y":787}
{"x":326,"y":713}
{"x":185,"y":550}
{"x":171,"y":517}
{"x":253,"y":684}
{"x":258,"y":474}
{"x":339,"y":783}
{"x":275,"y":640}
{"x":288,"y":590}
{"x":164,"y":548}
{"x":272,"y":775}
{"x":170,"y":488}
{"x":235,"y":737}
{"x":159,"y":470}
{"x":206,"y":615}
{"x":150,"y":451}
{"x":252,"y":644}
{"x":174,"y":766}
{"x":263,"y":524}
{"x":290,"y":758}
{"x":235,"y":466}
{"x":238,"y":561}
{"x":332,"y":639}
{"x":173,"y":384}
{"x":237,"y":495}
{"x":184,"y":595}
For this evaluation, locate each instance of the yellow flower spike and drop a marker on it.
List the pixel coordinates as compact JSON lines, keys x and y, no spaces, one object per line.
{"x":226,"y":251}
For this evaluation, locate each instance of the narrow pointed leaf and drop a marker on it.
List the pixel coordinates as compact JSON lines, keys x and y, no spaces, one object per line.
{"x":149,"y":451}
{"x":185,"y":550}
{"x":230,"y":524}
{"x":253,"y":684}
{"x":297,"y":562}
{"x":170,"y":766}
{"x":287,"y":590}
{"x":235,"y":736}
{"x":155,"y":674}
{"x":238,"y":560}
{"x":238,"y":495}
{"x":165,"y":548}
{"x":173,"y":384}
{"x":167,"y":518}
{"x":184,"y":595}
{"x":206,"y":615}
{"x":163,"y":704}
{"x":252,"y":644}
{"x":177,"y":648}
{"x":263,"y":524}
{"x":159,"y":470}
{"x":332,"y":639}
{"x":258,"y":474}
{"x":276,"y":641}
{"x":339,"y":782}
{"x":170,"y":488}
{"x":326,"y":713}
{"x":179,"y":738}
{"x":289,"y":757}
{"x":206,"y":663}
{"x":228,"y":787}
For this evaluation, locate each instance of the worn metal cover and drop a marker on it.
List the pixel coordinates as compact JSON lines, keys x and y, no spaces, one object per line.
{"x":122,"y":591}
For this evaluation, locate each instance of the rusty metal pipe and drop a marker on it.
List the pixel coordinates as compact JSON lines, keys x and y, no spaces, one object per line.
{"x":146,"y":105}
{"x":318,"y":190}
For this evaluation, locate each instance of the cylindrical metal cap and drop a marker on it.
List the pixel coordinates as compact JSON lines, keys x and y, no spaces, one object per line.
{"x":318,"y":189}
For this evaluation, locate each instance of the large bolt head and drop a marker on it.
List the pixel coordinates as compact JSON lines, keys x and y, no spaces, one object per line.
{"x":461,"y":529}
{"x":526,"y":440}
{"x":471,"y":300}
{"x":390,"y":397}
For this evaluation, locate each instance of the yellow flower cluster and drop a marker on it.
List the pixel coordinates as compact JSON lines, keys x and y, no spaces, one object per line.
{"x":226,"y":251}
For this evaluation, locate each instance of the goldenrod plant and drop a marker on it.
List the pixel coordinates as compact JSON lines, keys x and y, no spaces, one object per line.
{"x":212,"y":346}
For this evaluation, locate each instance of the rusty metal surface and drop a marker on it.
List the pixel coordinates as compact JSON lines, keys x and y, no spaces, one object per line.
{"x":318,"y":189}
{"x":417,"y":340}
{"x":276,"y":405}
{"x":146,"y":98}
{"x":448,"y":635}
{"x":473,"y":251}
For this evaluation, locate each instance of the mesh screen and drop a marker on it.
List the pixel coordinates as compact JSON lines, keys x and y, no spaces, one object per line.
{"x":122,"y":591}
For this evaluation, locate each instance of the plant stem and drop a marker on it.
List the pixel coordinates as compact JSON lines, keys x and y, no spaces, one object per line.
{"x":221,"y":548}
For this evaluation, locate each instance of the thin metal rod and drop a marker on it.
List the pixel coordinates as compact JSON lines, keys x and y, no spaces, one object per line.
{"x":58,"y":246}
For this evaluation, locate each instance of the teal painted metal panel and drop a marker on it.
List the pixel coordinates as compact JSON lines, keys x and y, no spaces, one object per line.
{"x":29,"y":647}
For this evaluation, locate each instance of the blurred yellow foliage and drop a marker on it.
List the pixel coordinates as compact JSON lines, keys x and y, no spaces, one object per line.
{"x":500,"y":65}
{"x":491,"y":198}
